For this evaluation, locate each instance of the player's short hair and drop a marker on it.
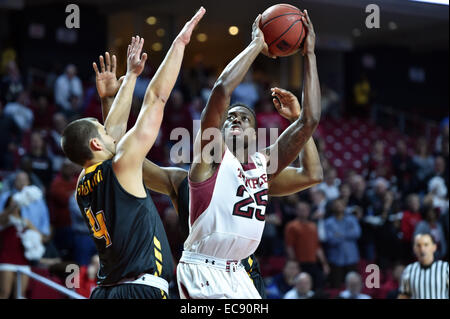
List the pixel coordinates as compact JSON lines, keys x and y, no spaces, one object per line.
{"x":75,"y":140}
{"x":248,"y":108}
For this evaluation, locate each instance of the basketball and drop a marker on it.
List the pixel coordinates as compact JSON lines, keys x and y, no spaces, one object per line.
{"x":283,"y":29}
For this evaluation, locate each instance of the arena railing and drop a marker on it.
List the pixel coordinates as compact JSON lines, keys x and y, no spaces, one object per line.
{"x":21,"y":270}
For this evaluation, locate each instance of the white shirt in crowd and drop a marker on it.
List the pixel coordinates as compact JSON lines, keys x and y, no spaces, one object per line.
{"x":65,"y":87}
{"x":346,"y":294}
{"x":293,"y":294}
{"x":21,"y":115}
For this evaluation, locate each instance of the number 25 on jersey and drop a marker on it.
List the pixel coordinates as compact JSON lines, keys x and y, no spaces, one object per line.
{"x":244,"y":208}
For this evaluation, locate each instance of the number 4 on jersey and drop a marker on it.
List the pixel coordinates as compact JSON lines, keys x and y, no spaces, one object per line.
{"x":239,"y":207}
{"x":98,"y":225}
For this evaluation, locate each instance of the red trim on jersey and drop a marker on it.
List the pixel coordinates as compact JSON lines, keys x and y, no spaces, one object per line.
{"x":201,"y":194}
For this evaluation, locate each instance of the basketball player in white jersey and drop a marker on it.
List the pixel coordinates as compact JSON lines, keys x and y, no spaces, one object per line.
{"x":228,"y":191}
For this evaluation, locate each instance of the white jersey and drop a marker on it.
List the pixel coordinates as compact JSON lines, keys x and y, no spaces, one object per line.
{"x":227,"y":211}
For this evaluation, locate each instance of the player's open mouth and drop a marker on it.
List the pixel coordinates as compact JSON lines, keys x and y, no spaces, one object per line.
{"x":236,"y":130}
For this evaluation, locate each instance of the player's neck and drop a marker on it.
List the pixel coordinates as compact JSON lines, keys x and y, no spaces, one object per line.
{"x":98,"y":158}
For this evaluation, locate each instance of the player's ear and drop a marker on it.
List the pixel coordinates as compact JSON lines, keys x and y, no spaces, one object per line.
{"x":95,"y":144}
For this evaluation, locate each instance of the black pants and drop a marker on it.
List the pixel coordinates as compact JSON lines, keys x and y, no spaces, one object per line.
{"x":316,"y":272}
{"x":128,"y":291}
{"x":338,"y":273}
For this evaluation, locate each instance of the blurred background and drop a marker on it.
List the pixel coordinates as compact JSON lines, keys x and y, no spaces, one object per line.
{"x":382,"y":139}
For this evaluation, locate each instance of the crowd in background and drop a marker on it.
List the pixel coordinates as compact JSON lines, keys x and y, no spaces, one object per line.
{"x":316,"y":243}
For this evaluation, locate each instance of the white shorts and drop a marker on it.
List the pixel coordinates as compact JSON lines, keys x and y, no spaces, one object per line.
{"x":205,"y":277}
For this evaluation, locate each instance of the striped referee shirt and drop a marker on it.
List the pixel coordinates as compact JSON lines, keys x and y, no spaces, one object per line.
{"x":425,"y":282}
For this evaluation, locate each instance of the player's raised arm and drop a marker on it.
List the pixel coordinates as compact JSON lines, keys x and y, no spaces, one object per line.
{"x":295,"y":179}
{"x":219,"y":100}
{"x":164,"y":180}
{"x":293,"y":139}
{"x":107,"y":88}
{"x":117,"y":115}
{"x":136,"y":143}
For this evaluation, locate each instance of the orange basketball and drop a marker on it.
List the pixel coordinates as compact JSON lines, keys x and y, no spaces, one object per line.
{"x":283,"y":29}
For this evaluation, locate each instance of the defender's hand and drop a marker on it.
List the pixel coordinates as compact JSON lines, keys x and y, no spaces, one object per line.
{"x":136,"y":62}
{"x":185,"y":34}
{"x":286,"y":104}
{"x":106,"y":80}
{"x":310,"y":41}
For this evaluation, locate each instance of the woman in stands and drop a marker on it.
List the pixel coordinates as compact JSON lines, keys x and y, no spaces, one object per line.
{"x":12,"y":251}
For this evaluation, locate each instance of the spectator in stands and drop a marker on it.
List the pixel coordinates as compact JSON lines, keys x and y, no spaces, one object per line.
{"x":330,"y":184}
{"x":12,"y":251}
{"x":342,"y":253}
{"x":68,"y":85}
{"x":83,"y":244}
{"x":41,"y":164}
{"x":344,"y":193}
{"x":318,"y":209}
{"x":289,"y":208}
{"x":19,"y":111}
{"x":268,"y":117}
{"x":380,"y":201}
{"x":43,"y":113}
{"x":377,"y":163}
{"x":437,"y":185}
{"x":444,"y":219}
{"x":278,"y":285}
{"x":35,"y":210}
{"x":54,"y":141}
{"x":271,"y":240}
{"x":423,"y":164}
{"x":25,"y":166}
{"x":330,"y":101}
{"x":432,"y":225}
{"x":402,"y":167}
{"x":179,"y":115}
{"x":195,"y":108}
{"x":88,"y":276}
{"x":353,"y":286}
{"x":246,"y":92}
{"x":61,"y":190}
{"x":388,"y":234}
{"x":9,"y":139}
{"x":11,"y":84}
{"x":143,"y":81}
{"x":410,"y":218}
{"x":302,"y":244}
{"x":442,"y":140}
{"x":358,"y":195}
{"x":391,"y":286}
{"x":302,"y":289}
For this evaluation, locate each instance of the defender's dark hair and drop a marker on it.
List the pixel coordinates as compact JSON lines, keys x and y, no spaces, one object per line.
{"x":75,"y":140}
{"x":247,"y":107}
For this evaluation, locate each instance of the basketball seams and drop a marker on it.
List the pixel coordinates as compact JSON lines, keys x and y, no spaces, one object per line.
{"x":293,"y":23}
{"x":274,"y":18}
{"x":299,"y":37}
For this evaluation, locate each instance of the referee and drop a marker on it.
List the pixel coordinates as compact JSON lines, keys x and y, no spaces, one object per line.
{"x":426,"y":278}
